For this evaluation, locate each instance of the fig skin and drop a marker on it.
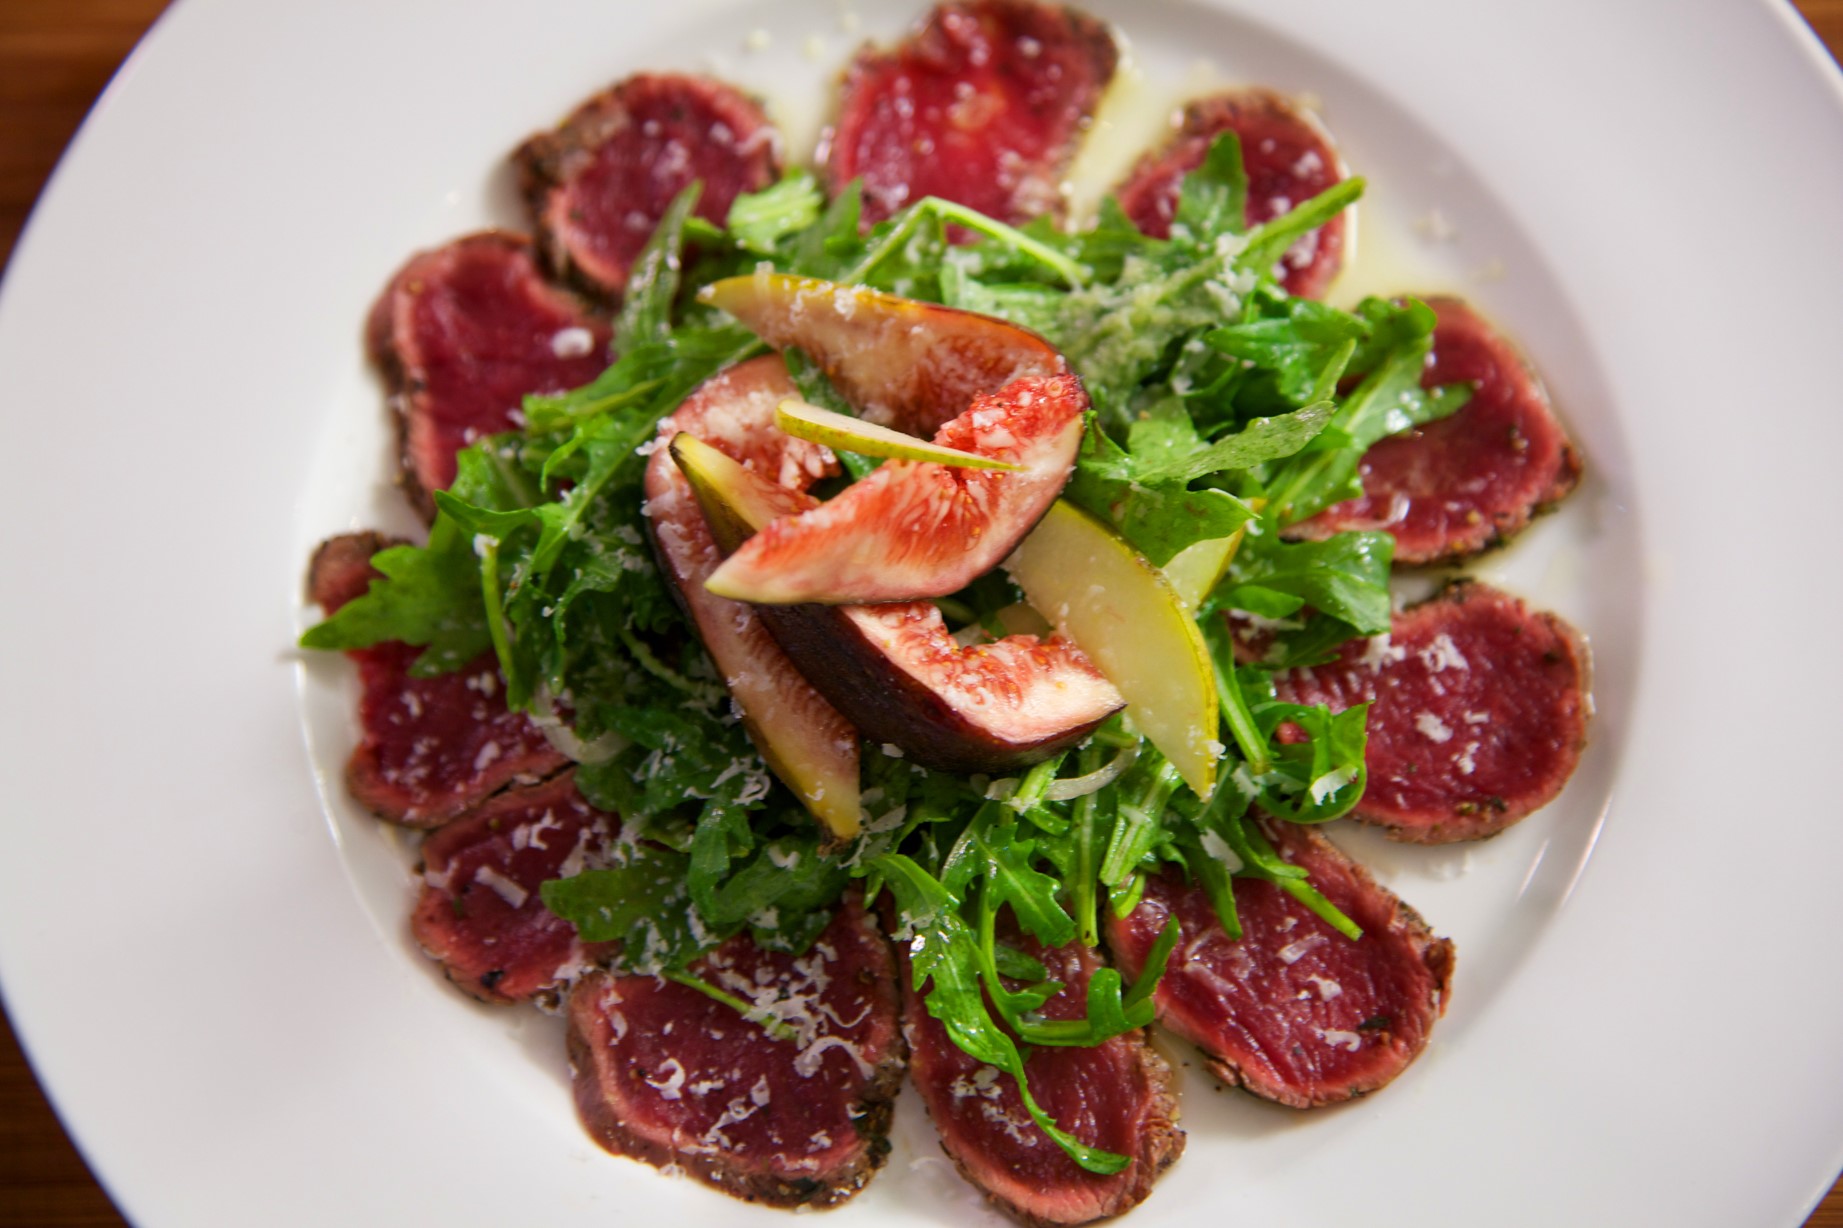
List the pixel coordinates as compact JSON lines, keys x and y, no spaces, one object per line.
{"x":907,"y":365}
{"x":806,"y":742}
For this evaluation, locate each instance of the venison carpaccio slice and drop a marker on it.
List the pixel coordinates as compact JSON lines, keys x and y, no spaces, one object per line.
{"x":1294,"y":1011}
{"x":480,"y":914}
{"x":1478,"y":712}
{"x":429,"y":749}
{"x":1288,"y":157}
{"x":598,"y":184}
{"x":462,"y":333}
{"x":1117,"y":1095}
{"x":1451,"y":488}
{"x":983,"y":104}
{"x":667,"y":1075}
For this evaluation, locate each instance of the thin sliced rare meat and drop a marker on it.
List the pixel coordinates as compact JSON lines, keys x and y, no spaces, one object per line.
{"x":1117,"y":1095}
{"x":983,"y":104}
{"x":1478,"y":712}
{"x":462,"y":334}
{"x":668,"y":1075}
{"x":429,"y":749}
{"x":1288,"y":156}
{"x":1294,"y":1011}
{"x":598,"y":184}
{"x":480,"y":914}
{"x":1451,"y":488}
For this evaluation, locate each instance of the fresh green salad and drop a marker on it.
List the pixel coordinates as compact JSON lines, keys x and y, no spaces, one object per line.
{"x":1220,"y":405}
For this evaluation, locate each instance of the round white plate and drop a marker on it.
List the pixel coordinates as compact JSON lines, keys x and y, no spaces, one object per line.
{"x":203,"y":943}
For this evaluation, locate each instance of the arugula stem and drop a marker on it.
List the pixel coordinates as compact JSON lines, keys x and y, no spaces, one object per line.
{"x":1087,"y":824}
{"x":487,"y":548}
{"x":774,"y":1027}
{"x":1072,"y":273}
{"x":1235,"y":711}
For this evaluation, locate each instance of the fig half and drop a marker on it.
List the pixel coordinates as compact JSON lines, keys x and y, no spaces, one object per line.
{"x":803,"y":738}
{"x":900,"y":363}
{"x":911,"y":529}
{"x":894,"y":670}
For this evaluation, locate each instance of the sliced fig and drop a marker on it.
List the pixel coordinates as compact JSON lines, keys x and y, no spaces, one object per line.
{"x":1131,"y":622}
{"x":915,"y":529}
{"x":900,"y":363}
{"x":895,"y":671}
{"x":801,"y":736}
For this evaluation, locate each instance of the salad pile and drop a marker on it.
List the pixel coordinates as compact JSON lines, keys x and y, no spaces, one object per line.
{"x":1224,"y":411}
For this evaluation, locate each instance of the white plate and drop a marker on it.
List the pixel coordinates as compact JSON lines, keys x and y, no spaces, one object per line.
{"x":204,"y":945}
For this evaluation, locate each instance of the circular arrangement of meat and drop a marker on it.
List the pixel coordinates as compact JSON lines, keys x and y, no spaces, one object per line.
{"x":1294,"y":1011}
{"x":982,"y":105}
{"x":671,"y":1076}
{"x":462,"y":334}
{"x":601,"y":181}
{"x":1478,"y":712}
{"x":1450,"y":489}
{"x":1288,"y":158}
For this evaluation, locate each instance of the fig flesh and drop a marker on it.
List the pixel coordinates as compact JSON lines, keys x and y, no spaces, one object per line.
{"x":915,"y":529}
{"x":1125,"y":614}
{"x":894,"y":670}
{"x":902,"y":364}
{"x":804,"y":739}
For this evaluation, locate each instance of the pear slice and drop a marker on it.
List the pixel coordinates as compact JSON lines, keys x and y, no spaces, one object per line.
{"x":898,"y":362}
{"x":1200,"y":566}
{"x":843,"y":433}
{"x":1132,"y":623}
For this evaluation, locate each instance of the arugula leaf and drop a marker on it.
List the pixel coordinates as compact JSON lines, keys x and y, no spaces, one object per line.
{"x":1213,"y":199}
{"x":943,"y":961}
{"x":758,"y":221}
{"x":652,"y":284}
{"x":428,"y":596}
{"x":1345,"y":577}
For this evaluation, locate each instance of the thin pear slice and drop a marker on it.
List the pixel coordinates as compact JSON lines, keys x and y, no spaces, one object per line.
{"x":1130,"y":621}
{"x":903,"y":364}
{"x":843,"y":433}
{"x":1200,"y":566}
{"x":894,"y":670}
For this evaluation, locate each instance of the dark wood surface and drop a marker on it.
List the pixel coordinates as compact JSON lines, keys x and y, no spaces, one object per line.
{"x":55,"y":58}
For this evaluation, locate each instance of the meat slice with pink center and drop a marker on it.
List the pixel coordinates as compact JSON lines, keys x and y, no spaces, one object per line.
{"x":673,"y":1077}
{"x":1294,"y":1011}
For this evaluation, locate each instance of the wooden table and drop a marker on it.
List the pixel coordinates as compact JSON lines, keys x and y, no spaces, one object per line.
{"x":55,"y":57}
